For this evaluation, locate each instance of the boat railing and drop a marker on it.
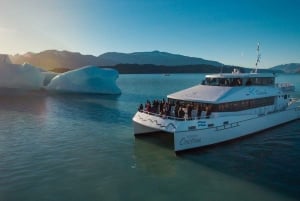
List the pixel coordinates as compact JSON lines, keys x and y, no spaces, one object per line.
{"x":285,"y":86}
{"x":163,"y":116}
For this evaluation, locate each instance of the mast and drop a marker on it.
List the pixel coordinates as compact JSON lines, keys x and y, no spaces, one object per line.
{"x":258,"y":57}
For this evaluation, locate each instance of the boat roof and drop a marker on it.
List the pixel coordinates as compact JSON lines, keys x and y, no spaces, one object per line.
{"x":222,"y":94}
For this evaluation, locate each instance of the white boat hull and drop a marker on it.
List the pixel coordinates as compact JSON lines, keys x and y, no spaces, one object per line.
{"x":202,"y":132}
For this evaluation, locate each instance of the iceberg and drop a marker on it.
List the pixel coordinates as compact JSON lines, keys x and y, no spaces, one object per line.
{"x":14,"y":76}
{"x":88,"y":79}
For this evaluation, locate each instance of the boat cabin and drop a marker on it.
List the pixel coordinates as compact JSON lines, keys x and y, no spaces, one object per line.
{"x":223,"y":93}
{"x":238,"y":79}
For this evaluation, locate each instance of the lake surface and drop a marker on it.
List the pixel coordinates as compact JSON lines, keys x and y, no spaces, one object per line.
{"x":82,"y":147}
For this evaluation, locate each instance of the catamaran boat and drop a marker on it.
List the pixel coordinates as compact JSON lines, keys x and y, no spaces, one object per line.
{"x":223,"y":107}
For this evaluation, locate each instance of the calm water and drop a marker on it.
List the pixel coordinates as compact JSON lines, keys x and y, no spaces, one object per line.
{"x":81,"y":147}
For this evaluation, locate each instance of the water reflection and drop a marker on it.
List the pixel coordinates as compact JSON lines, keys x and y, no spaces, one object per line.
{"x":34,"y":103}
{"x":158,"y":148}
{"x":265,"y":159}
{"x":84,"y":107}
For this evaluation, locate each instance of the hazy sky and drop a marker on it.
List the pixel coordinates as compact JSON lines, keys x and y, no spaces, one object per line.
{"x":221,"y":30}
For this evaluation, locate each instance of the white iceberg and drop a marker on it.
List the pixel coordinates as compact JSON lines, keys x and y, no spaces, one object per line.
{"x":89,"y":79}
{"x":15,"y":76}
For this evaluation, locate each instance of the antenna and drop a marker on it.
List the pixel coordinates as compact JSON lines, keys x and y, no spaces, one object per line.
{"x":258,"y":57}
{"x":221,"y":70}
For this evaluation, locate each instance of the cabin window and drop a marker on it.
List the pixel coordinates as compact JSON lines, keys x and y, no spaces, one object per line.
{"x":223,"y":107}
{"x":239,"y":81}
{"x":243,"y":105}
{"x":261,"y":81}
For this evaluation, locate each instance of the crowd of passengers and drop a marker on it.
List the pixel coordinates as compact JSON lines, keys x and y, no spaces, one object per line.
{"x":176,"y":109}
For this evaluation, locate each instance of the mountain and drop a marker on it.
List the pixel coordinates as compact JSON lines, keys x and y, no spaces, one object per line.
{"x":160,"y":69}
{"x":288,"y":68}
{"x":137,"y":62}
{"x":155,"y":58}
{"x":53,"y":59}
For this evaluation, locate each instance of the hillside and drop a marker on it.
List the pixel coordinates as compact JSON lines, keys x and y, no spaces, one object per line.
{"x":150,"y":68}
{"x":138,"y":62}
{"x":161,"y":69}
{"x":155,"y":58}
{"x":53,"y":59}
{"x":288,"y":68}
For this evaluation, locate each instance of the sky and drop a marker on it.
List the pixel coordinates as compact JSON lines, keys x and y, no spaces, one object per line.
{"x":225,"y":31}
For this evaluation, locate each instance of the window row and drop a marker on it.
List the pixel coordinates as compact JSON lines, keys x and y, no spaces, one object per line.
{"x":243,"y":105}
{"x":239,"y":81}
{"x":225,"y":107}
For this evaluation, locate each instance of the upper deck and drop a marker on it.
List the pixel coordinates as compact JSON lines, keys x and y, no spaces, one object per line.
{"x":229,"y":87}
{"x":237,"y":74}
{"x":239,"y":79}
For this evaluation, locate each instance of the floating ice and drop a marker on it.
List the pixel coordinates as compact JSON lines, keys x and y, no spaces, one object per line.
{"x":89,"y":79}
{"x":15,"y":76}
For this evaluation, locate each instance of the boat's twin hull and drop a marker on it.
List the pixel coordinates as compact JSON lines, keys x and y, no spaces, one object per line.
{"x":197,"y":137}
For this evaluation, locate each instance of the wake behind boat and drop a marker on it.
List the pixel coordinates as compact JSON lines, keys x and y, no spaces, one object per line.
{"x":223,"y":107}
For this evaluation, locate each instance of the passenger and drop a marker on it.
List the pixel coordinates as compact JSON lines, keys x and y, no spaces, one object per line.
{"x":148,"y":107}
{"x":248,"y":83}
{"x":226,"y":82}
{"x":181,"y":113}
{"x":222,"y":82}
{"x":155,"y":105}
{"x":194,"y":113}
{"x":176,"y":110}
{"x":171,"y":109}
{"x":199,"y":112}
{"x":161,"y":106}
{"x":233,"y":82}
{"x":166,"y":108}
{"x":141,"y":107}
{"x":208,"y":111}
{"x":239,"y":82}
{"x":189,"y":110}
{"x":204,"y":111}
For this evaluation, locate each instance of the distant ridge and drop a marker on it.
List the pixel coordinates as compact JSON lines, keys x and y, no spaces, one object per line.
{"x":137,"y":62}
{"x":53,"y":59}
{"x":288,"y":68}
{"x":155,"y":58}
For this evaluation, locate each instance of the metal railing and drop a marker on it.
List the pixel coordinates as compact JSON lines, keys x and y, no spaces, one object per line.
{"x":173,"y":117}
{"x":285,"y":86}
